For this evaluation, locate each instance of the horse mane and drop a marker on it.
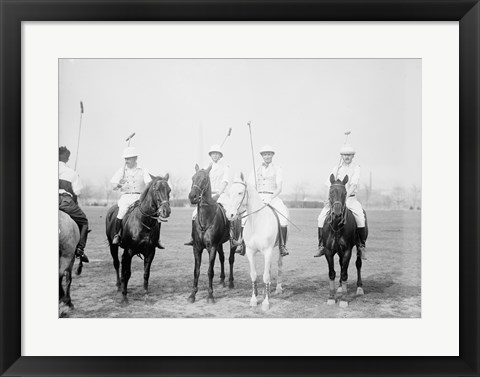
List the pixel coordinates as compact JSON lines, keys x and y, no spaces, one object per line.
{"x":146,"y":191}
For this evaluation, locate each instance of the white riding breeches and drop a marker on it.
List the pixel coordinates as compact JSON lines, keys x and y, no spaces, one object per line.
{"x":353,"y":205}
{"x":125,"y":201}
{"x":277,"y":203}
{"x":222,"y":199}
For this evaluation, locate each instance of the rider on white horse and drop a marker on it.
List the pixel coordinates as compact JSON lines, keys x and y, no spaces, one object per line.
{"x":219,"y":180}
{"x":269,"y":181}
{"x":346,"y":167}
{"x":131,"y":180}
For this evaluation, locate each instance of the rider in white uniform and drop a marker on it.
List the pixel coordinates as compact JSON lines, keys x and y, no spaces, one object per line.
{"x":131,"y":180}
{"x":219,"y":180}
{"x":346,"y":167}
{"x":269,"y":181}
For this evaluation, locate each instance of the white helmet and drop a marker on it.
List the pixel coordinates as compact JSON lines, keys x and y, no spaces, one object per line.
{"x":129,"y":152}
{"x":215,"y":148}
{"x":347,"y":149}
{"x":267,"y":148}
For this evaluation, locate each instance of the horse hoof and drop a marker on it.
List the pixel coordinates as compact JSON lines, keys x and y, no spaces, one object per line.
{"x":343,"y":304}
{"x":279,"y":290}
{"x":211,"y":300}
{"x":360,"y":291}
{"x":265,"y":306}
{"x":339,"y":289}
{"x":331,"y":301}
{"x":253,"y":302}
{"x":124,"y":302}
{"x":222,"y":284}
{"x":231,"y":285}
{"x":191,"y":299}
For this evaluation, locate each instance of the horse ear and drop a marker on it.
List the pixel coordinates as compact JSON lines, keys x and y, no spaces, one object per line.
{"x":166,"y":177}
{"x":197,"y":168}
{"x":332,"y":179}
{"x":345,"y":180}
{"x":209,"y":168}
{"x":152,"y":176}
{"x":242,"y":177}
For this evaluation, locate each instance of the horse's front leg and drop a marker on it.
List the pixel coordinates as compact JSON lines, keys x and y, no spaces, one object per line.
{"x":212,"y":253}
{"x":231,"y":261}
{"x":197,"y":253}
{"x":116,"y":263}
{"x":331,"y":275}
{"x":221,"y":256}
{"x":147,"y":263}
{"x":126,"y":273}
{"x":343,"y":290}
{"x":358,"y":264}
{"x":253,"y":277}
{"x":267,"y":278}
{"x":279,"y":288}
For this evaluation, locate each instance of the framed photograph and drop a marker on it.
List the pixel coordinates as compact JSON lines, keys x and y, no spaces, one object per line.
{"x":349,"y":131}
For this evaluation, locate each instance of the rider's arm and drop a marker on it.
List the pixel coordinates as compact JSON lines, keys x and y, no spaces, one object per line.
{"x":225,"y":180}
{"x":116,"y":179}
{"x":279,"y":183}
{"x":354,"y":181}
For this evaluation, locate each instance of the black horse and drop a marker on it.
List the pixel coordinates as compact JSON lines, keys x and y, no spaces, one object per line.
{"x":141,"y":231}
{"x":340,"y":235}
{"x":209,"y":231}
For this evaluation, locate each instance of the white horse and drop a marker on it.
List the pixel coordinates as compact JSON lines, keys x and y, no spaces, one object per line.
{"x":260,"y":234}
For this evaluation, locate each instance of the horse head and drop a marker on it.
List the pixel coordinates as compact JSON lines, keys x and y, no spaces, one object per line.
{"x":200,"y":185}
{"x":337,"y":195}
{"x":238,"y":197}
{"x":159,"y":194}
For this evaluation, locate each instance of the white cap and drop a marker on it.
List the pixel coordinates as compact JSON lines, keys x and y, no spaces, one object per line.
{"x":347,"y":149}
{"x":215,"y":148}
{"x":267,"y":148}
{"x":129,"y":152}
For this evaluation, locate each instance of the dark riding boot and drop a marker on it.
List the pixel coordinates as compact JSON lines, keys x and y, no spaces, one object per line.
{"x":79,"y":251}
{"x":283,"y":242}
{"x":118,"y":229}
{"x":190,"y":243}
{"x":321,"y":248}
{"x":241,"y":247}
{"x":362,"y":238}
{"x":160,"y":245}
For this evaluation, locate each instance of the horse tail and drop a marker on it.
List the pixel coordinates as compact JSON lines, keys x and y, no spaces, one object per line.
{"x":79,"y":268}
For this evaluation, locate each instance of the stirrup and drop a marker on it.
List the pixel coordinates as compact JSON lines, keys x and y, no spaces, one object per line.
{"x":116,"y":239}
{"x":189,"y":243}
{"x":320,"y":252}
{"x":240,"y":249}
{"x":79,"y":253}
{"x":160,"y":246}
{"x":283,"y":251}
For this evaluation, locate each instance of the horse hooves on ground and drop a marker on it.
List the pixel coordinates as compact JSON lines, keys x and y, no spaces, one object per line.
{"x":331,"y":301}
{"x":211,"y":300}
{"x":339,"y":289}
{"x":360,"y":291}
{"x":231,"y":285}
{"x":343,"y":304}
{"x":124,"y":301}
{"x":222,"y":284}
{"x":279,"y":290}
{"x":265,"y":306}
{"x":253,"y":302}
{"x":191,"y":299}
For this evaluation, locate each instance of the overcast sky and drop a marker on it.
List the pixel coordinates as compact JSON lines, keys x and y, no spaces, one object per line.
{"x":302,"y":107}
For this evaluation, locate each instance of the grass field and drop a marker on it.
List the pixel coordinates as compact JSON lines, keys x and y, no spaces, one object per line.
{"x":391,"y":275}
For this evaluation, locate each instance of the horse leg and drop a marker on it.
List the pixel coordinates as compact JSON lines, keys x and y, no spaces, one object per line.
{"x":68,"y":282}
{"x":331,"y":276}
{"x":196,"y":272}
{"x":212,"y":253}
{"x":358,"y":264}
{"x":147,"y":263}
{"x":126,"y":273}
{"x":116,"y":263}
{"x":345,"y":261}
{"x":267,"y":279}
{"x":61,"y":292}
{"x":340,"y":263}
{"x":221,"y":256}
{"x":253,"y":277}
{"x":231,"y":261}
{"x":279,"y":288}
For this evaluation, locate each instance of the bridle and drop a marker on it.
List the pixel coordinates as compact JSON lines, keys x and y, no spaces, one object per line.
{"x":343,"y":211}
{"x":159,"y":203}
{"x":245,"y":195}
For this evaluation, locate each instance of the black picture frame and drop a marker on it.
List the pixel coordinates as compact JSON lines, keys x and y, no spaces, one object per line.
{"x":467,"y":12}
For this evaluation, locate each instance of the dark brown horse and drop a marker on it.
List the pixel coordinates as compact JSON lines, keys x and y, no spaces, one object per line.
{"x":340,"y":235}
{"x":209,"y":231}
{"x":68,"y":236}
{"x":141,"y":231}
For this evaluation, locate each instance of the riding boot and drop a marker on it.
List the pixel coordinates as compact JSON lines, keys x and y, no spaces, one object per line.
{"x":321,"y":248}
{"x":362,"y":238}
{"x":160,"y":245}
{"x":79,"y":251}
{"x":118,"y":229}
{"x":283,"y":242}
{"x":241,"y":247}
{"x":190,"y":243}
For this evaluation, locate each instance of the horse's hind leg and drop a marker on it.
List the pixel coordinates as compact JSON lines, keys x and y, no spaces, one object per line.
{"x":221,"y":256}
{"x":126,"y":273}
{"x":116,"y":263}
{"x":231,"y":261}
{"x":212,"y":253}
{"x":331,"y":276}
{"x":267,"y":278}
{"x":253,"y":276}
{"x":196,"y":272}
{"x":147,"y":263}
{"x":358,"y":264}
{"x":279,"y":288}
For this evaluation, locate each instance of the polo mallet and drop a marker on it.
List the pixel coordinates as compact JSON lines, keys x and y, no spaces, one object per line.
{"x":128,"y":139}
{"x":79,"y":130}
{"x":253,"y":155}
{"x":224,"y":140}
{"x":347,"y":133}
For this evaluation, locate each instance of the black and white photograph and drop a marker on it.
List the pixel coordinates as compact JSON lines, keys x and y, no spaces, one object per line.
{"x":240,"y":188}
